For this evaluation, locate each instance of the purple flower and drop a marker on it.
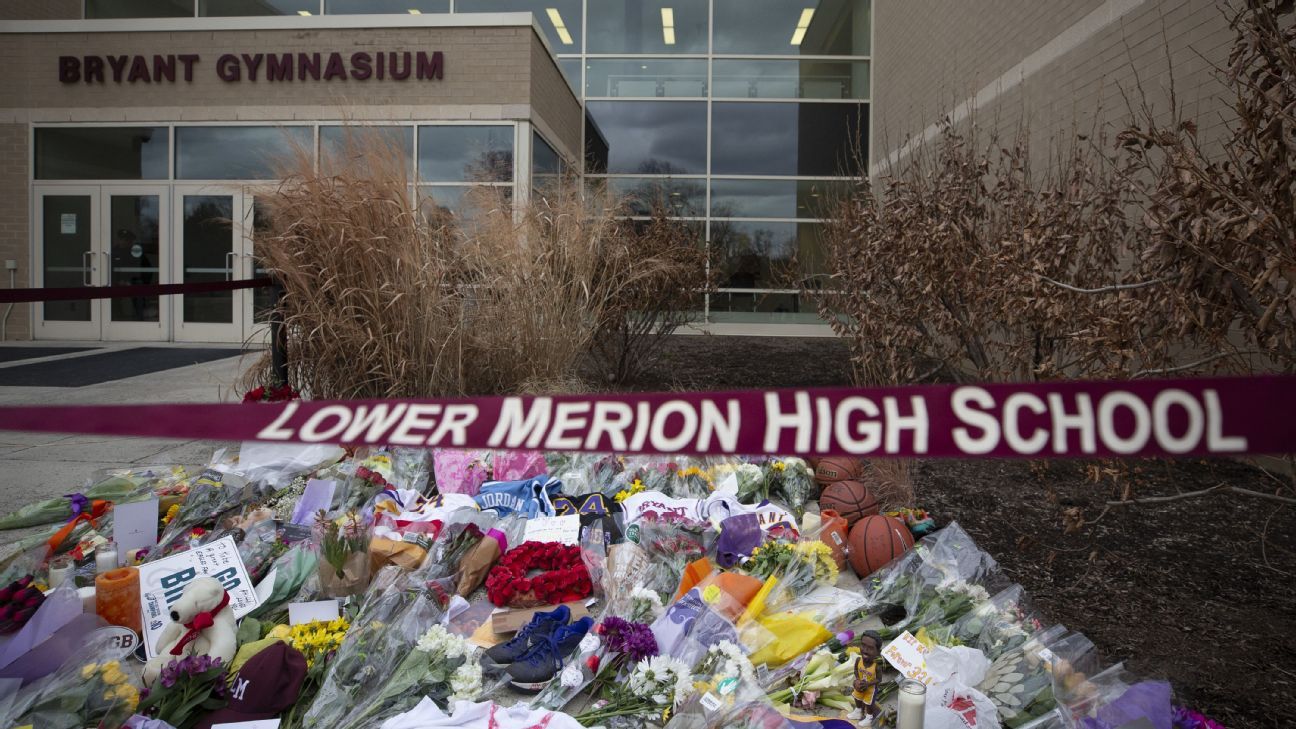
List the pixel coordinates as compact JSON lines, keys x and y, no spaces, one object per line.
{"x":635,"y":640}
{"x":1185,"y":718}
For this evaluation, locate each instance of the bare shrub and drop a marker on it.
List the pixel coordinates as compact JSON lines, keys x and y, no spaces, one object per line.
{"x":384,"y":298}
{"x":950,"y":267}
{"x":892,"y":482}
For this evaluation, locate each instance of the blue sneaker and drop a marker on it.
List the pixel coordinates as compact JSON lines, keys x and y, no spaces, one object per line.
{"x":541,"y":625}
{"x":537,"y":667}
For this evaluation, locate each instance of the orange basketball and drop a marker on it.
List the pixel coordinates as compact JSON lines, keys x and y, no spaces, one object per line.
{"x":876,"y":540}
{"x":834,"y":469}
{"x":851,"y":499}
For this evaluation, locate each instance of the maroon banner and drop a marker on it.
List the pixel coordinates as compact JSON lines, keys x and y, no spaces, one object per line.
{"x":1186,"y":417}
{"x":77,"y":293}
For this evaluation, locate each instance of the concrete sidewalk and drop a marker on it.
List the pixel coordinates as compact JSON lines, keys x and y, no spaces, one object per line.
{"x":38,"y":465}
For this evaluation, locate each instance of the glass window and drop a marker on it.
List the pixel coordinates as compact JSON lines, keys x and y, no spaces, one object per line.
{"x":571,"y":70}
{"x":647,"y":26}
{"x":683,"y":198}
{"x":257,"y":7}
{"x":752,"y":138}
{"x":774,"y":198}
{"x":359,"y":7}
{"x":753,"y":79}
{"x":783,"y":28}
{"x":756,"y":307}
{"x":101,"y":153}
{"x":685,"y":77}
{"x":560,"y":19}
{"x":355,"y":141}
{"x":463,"y":200}
{"x":467,"y":153}
{"x":139,"y":8}
{"x":236,"y":153}
{"x":753,"y":255}
{"x":648,"y":137}
{"x":546,"y":166}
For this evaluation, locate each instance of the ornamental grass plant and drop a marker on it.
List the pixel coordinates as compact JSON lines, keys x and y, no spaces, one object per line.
{"x":386,"y":296}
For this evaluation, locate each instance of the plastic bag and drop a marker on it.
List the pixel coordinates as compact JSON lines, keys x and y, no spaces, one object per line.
{"x":277,"y":464}
{"x":460,"y":471}
{"x":94,"y":685}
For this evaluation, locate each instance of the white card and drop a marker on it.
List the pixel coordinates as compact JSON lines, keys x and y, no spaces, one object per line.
{"x":908,"y":655}
{"x":261,"y":724}
{"x":135,"y":526}
{"x":305,"y":612}
{"x":561,"y":529}
{"x":265,"y":587}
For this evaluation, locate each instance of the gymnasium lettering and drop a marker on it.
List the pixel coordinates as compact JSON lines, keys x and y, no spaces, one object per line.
{"x":255,"y":67}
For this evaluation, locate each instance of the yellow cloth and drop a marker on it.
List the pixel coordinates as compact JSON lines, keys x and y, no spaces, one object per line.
{"x":794,"y":634}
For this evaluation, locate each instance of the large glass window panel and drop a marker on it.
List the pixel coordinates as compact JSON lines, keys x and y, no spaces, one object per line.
{"x":465,"y":153}
{"x":759,"y":307}
{"x":208,"y":242}
{"x":790,"y":28}
{"x":560,"y":19}
{"x":571,"y":70}
{"x":647,"y":26}
{"x":752,"y":255}
{"x":218,"y":8}
{"x":101,"y":153}
{"x":371,"y":147}
{"x":685,"y":198}
{"x":755,"y":138}
{"x":359,"y":7}
{"x":775,"y":198}
{"x":236,"y":153}
{"x":139,"y":8}
{"x":684,"y":77}
{"x":648,"y":137}
{"x":463,"y":201}
{"x":787,"y":79}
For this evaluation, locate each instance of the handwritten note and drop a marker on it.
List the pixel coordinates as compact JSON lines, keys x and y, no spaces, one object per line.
{"x":908,"y":655}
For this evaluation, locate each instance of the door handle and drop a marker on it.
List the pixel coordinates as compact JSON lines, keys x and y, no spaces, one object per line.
{"x":230,"y":259}
{"x":87,"y":268}
{"x":107,"y":267}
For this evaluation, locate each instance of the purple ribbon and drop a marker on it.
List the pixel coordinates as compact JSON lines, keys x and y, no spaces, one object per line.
{"x":79,"y":503}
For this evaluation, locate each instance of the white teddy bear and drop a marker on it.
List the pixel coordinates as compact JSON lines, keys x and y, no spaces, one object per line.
{"x":202,"y":623}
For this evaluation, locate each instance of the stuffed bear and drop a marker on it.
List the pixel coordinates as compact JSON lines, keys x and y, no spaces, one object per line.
{"x":202,"y":623}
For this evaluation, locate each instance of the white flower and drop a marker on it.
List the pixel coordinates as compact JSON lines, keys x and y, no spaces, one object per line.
{"x":661,"y":679}
{"x":727,"y":659}
{"x":437,"y":640}
{"x":645,"y":605}
{"x":466,"y":682}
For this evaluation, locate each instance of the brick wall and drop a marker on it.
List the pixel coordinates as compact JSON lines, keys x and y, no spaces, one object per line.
{"x":932,"y":56}
{"x":553,"y":103}
{"x":14,"y":235}
{"x":40,"y":9}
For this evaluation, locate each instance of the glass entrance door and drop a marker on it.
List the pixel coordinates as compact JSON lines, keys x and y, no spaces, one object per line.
{"x":135,"y":255}
{"x":210,"y":246}
{"x":67,"y":255}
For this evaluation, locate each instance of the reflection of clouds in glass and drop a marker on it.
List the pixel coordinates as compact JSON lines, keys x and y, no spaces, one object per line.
{"x":754,"y":139}
{"x":837,"y":27}
{"x":234,"y":153}
{"x":637,"y":26}
{"x":568,"y":11}
{"x":754,"y":198}
{"x":477,"y":153}
{"x":653,"y":137}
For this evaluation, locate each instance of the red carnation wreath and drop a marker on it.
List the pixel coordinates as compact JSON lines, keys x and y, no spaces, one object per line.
{"x":564,"y":577}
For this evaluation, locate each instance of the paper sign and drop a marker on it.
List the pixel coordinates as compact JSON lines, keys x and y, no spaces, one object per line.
{"x":318,"y":495}
{"x":162,"y":582}
{"x":561,"y":529}
{"x":908,"y":655}
{"x":307,"y":612}
{"x":135,"y":526}
{"x":67,"y":223}
{"x":260,"y":724}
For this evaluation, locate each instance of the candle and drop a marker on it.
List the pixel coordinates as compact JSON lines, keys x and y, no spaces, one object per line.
{"x":60,"y":570}
{"x":106,"y":557}
{"x":117,"y":597}
{"x":910,"y":704}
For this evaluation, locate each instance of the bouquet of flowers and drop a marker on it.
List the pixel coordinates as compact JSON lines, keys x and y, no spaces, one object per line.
{"x":565,"y":577}
{"x":291,"y":571}
{"x":344,"y":554}
{"x":652,"y":689}
{"x":187,"y":689}
{"x":80,"y":695}
{"x":798,"y":566}
{"x":691,"y":482}
{"x":442,"y":667}
{"x":211,"y":495}
{"x":282,"y":392}
{"x":825,"y":680}
{"x":318,"y":640}
{"x":111,"y":488}
{"x":793,"y":479}
{"x":753,"y":486}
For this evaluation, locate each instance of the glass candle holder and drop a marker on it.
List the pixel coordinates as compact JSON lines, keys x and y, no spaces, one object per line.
{"x":106,"y":557}
{"x":60,"y":571}
{"x":911,"y":702}
{"x":117,"y":597}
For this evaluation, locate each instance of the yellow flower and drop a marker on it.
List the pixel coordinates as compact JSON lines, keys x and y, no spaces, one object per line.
{"x":171,"y":513}
{"x":110,"y":695}
{"x":112,"y":666}
{"x":126,"y":692}
{"x":112,"y":678}
{"x":89,"y":670}
{"x":621,"y":496}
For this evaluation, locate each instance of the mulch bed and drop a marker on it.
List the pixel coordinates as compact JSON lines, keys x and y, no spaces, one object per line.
{"x":1198,"y":591}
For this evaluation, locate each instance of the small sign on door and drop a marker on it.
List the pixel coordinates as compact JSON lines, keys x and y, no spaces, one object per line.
{"x":67,"y":223}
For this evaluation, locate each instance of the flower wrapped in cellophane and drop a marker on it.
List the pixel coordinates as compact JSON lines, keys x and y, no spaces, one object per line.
{"x":95,"y":686}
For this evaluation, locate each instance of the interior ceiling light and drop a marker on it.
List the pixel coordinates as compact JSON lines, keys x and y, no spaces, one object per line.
{"x":414,"y":11}
{"x":559,"y":26}
{"x":799,"y":34}
{"x":668,"y":26}
{"x":303,"y":12}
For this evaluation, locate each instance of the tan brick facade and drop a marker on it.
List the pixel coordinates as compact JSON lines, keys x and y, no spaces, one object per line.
{"x":490,"y":73}
{"x":1053,"y":66}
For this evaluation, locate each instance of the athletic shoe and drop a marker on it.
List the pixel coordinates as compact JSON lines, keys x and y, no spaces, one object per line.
{"x":535,"y":668}
{"x":541,"y":625}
